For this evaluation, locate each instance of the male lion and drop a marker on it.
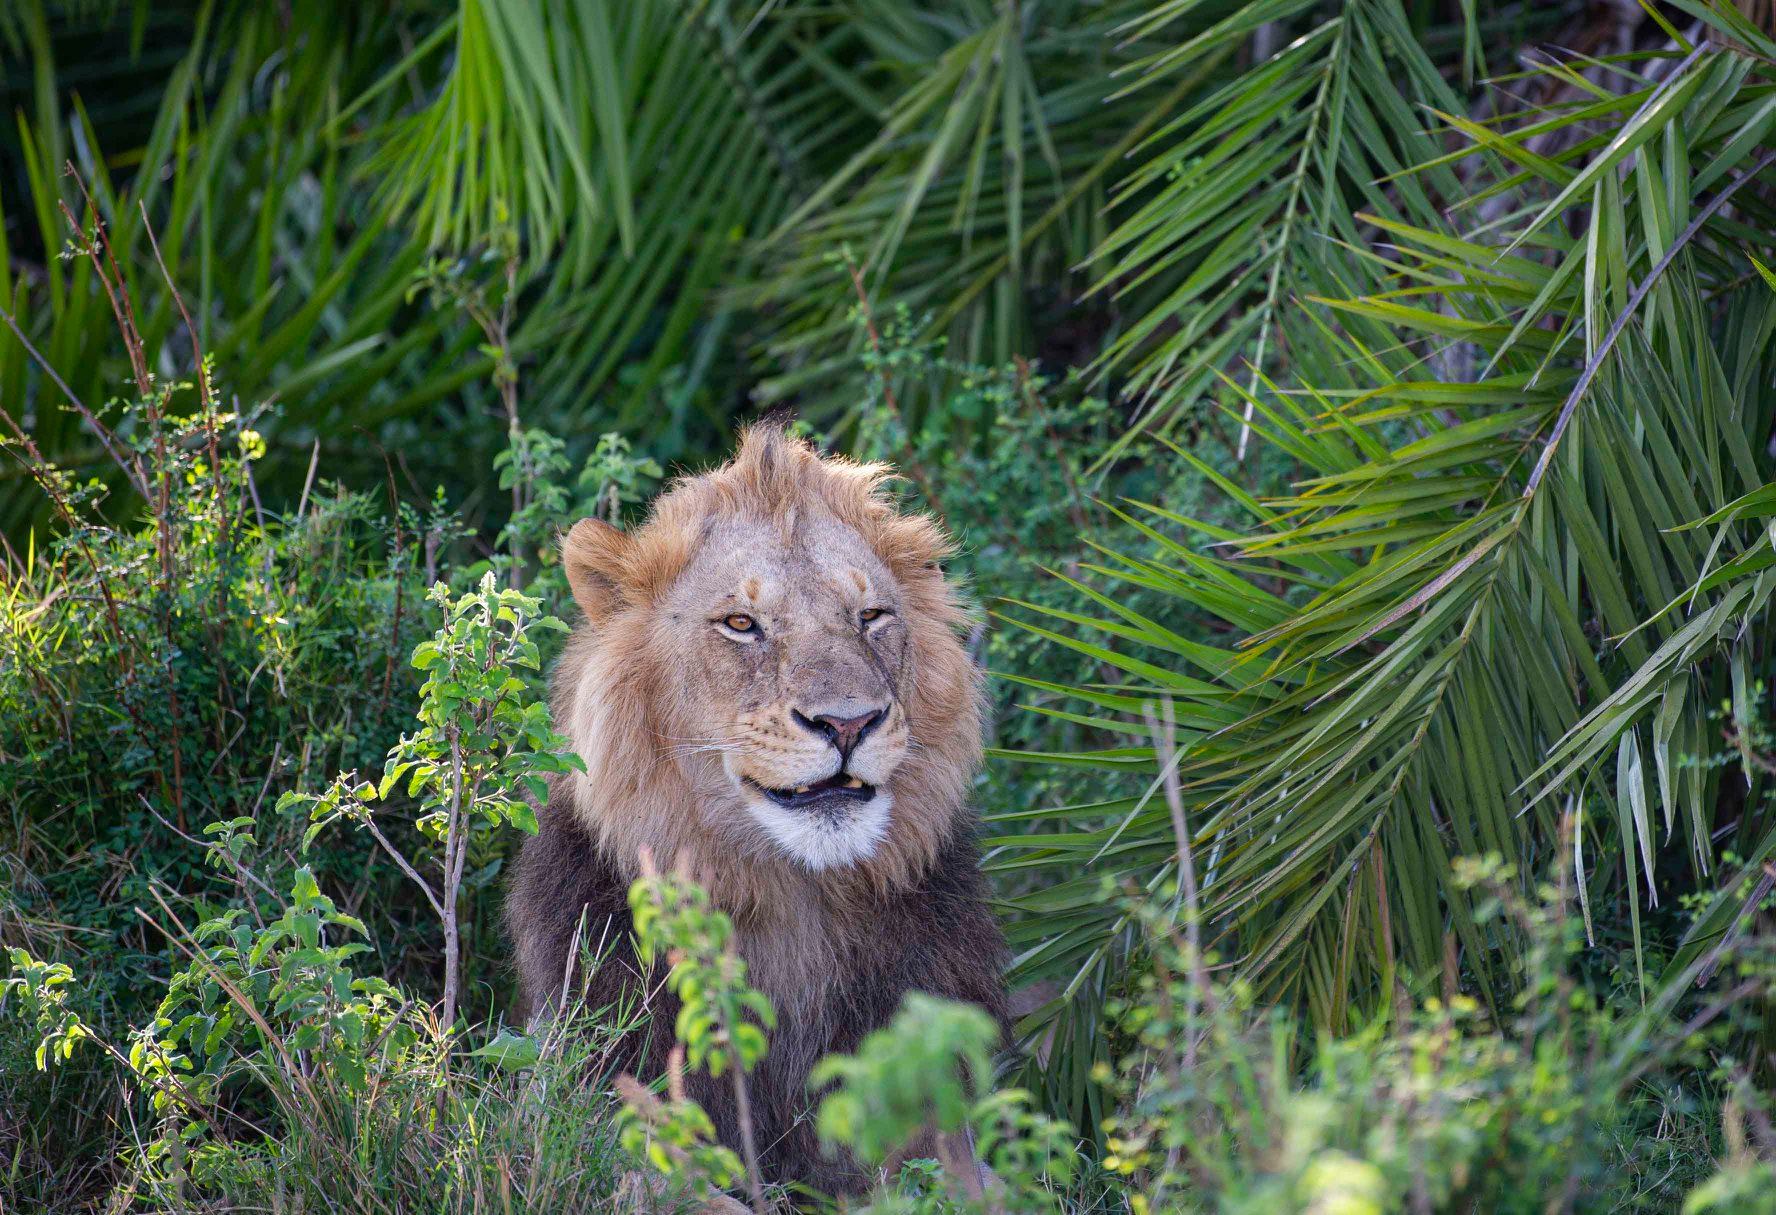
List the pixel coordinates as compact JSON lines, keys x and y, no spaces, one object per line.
{"x":768,"y":688}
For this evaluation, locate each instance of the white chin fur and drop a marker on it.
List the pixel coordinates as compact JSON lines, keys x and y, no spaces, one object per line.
{"x":819,"y":842}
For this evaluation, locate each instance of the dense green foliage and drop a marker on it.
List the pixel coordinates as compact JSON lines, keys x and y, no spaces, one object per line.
{"x":1356,"y":416}
{"x":1522,"y":564}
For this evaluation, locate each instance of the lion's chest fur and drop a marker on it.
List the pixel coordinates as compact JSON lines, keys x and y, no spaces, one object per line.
{"x":809,"y":958}
{"x":834,"y":964}
{"x":794,"y":960}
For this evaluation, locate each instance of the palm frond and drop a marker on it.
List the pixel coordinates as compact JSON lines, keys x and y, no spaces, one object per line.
{"x":1238,"y":202}
{"x":1507,"y":627}
{"x":978,"y":193}
{"x":631,"y":150}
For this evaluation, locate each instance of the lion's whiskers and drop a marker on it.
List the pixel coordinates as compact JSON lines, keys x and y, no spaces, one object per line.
{"x":710,"y":748}
{"x":689,"y":738}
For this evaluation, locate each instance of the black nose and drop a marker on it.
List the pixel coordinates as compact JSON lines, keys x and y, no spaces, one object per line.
{"x":842,"y":732}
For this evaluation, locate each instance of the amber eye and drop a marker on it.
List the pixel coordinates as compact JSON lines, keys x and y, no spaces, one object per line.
{"x":869,"y":614}
{"x":740,"y":623}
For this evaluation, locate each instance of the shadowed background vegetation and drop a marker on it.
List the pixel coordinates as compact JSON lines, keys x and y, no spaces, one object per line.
{"x":1381,"y":393}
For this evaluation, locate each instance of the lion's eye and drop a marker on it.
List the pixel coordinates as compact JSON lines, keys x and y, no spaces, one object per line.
{"x":740,"y":623}
{"x":869,"y":614}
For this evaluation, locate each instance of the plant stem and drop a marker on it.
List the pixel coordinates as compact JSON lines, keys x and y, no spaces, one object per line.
{"x":909,"y":457}
{"x":956,"y":1155}
{"x":1165,"y":744}
{"x":743,"y":1111}
{"x":453,"y":844}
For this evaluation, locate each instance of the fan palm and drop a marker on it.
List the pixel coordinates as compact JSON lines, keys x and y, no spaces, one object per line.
{"x":679,"y":178}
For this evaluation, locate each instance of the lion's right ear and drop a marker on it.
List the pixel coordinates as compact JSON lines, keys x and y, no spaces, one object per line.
{"x":594,"y":555}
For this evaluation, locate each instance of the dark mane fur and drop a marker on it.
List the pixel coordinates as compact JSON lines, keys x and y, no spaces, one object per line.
{"x":936,"y":936}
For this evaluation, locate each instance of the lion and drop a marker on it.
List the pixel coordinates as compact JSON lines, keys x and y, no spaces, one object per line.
{"x":769,"y":689}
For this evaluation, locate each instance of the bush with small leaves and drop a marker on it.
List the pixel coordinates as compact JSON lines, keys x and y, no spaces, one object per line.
{"x":261,"y":1016}
{"x":41,"y":989}
{"x":534,"y":467}
{"x":673,"y":1134}
{"x":921,"y":1073}
{"x":1568,"y":1091}
{"x":479,"y":759}
{"x":187,"y":652}
{"x":280,"y":998}
{"x":721,"y":1028}
{"x":926,"y":1075}
{"x":722,"y":1020}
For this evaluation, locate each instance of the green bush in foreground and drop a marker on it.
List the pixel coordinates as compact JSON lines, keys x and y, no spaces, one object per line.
{"x":475,"y":764}
{"x":1564,"y":1098}
{"x":279,"y":1061}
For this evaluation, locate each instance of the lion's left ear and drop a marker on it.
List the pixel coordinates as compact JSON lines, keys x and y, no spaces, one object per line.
{"x":913,"y":545}
{"x":595,"y":554}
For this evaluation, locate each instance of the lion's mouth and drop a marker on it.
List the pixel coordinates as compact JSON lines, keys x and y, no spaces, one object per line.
{"x":840,"y":786}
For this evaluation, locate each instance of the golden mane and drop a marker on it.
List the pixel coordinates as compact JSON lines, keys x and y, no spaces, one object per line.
{"x":613,"y":695}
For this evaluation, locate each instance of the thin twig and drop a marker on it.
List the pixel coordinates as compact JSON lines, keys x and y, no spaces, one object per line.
{"x":117,"y":292}
{"x":210,"y":846}
{"x":314,"y":460}
{"x":105,"y":436}
{"x":1165,"y":744}
{"x":388,"y":668}
{"x":909,"y":458}
{"x":206,"y":397}
{"x":743,"y":1112}
{"x":204,"y":392}
{"x":121,"y":309}
{"x":407,"y":868}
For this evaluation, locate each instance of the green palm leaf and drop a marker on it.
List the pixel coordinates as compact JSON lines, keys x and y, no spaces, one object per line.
{"x":1509,"y":608}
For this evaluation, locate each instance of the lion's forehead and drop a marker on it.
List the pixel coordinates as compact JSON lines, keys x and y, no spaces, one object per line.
{"x":814,"y":564}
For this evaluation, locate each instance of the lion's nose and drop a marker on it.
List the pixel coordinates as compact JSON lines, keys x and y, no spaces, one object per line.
{"x":842,"y":732}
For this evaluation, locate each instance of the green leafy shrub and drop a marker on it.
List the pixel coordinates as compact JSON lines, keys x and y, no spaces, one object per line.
{"x":1215,"y":1102}
{"x":276,"y":1060}
{"x":721,"y":1028}
{"x":192,"y":667}
{"x":611,"y":481}
{"x":287,"y":984}
{"x":1563,"y":1092}
{"x":922,"y":1072}
{"x":926,"y":1080}
{"x":476,"y":764}
{"x":41,"y":990}
{"x":925,"y":1077}
{"x":157,"y":677}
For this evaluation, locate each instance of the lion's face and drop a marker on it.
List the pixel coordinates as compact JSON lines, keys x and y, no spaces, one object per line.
{"x":770,"y":670}
{"x":793,"y":650}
